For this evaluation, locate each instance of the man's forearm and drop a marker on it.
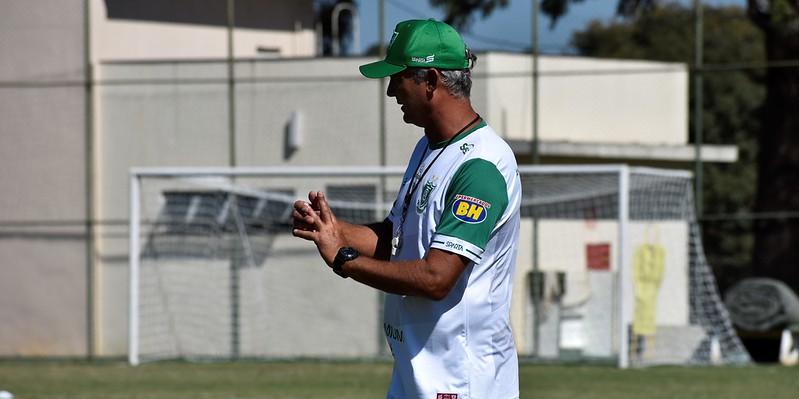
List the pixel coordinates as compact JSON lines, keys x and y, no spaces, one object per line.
{"x":372,"y":240}
{"x":401,"y":278}
{"x":431,"y":277}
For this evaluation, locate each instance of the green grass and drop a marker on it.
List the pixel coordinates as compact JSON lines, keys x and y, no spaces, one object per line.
{"x":81,"y":380}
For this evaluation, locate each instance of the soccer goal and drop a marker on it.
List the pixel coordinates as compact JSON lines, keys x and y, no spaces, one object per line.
{"x":610,"y":267}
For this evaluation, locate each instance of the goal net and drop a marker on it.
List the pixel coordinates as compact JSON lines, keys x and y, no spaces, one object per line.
{"x":610,"y":267}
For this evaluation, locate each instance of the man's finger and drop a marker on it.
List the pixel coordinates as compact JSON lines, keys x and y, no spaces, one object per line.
{"x":306,"y":234}
{"x":325,"y":213}
{"x":301,"y":206}
{"x":305,"y":209}
{"x":313,"y":197}
{"x":308,"y":215}
{"x":312,"y":216}
{"x":301,"y":219}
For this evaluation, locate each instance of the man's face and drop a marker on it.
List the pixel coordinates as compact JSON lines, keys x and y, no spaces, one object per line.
{"x":411,"y":96}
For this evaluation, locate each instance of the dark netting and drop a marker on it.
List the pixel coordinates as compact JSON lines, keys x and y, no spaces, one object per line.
{"x":218,"y":224}
{"x":708,"y":311}
{"x":659,"y":197}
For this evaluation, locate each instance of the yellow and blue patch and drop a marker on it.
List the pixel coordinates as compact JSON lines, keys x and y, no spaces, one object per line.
{"x":470,"y":209}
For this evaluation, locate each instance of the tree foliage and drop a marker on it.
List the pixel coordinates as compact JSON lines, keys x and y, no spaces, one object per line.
{"x":731,"y":108}
{"x":776,"y":253}
{"x":460,"y":13}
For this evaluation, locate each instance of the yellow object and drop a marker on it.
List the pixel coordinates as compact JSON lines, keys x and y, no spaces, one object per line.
{"x":648,"y":264}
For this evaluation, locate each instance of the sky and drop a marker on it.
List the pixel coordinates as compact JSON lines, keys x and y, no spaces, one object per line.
{"x":506,"y":29}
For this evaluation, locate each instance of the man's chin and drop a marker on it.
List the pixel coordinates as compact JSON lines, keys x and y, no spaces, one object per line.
{"x":407,"y":119}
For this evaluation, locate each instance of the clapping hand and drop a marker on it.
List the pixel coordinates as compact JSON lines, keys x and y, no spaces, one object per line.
{"x":316,"y":222}
{"x":303,"y":212}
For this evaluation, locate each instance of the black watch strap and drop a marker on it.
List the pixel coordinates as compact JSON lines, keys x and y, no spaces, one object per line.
{"x":345,"y":254}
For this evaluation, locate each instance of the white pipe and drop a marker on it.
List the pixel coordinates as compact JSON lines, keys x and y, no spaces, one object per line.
{"x":624,"y":276}
{"x":534,"y":169}
{"x":270,"y":171}
{"x":133,"y":250}
{"x":373,"y":170}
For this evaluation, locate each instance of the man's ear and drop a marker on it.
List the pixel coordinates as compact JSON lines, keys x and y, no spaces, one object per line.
{"x":432,"y":80}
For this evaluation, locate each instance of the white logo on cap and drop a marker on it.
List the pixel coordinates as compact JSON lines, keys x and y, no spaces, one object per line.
{"x":394,"y":36}
{"x":426,"y":60}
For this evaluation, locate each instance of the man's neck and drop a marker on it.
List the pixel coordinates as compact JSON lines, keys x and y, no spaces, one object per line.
{"x":449,"y":122}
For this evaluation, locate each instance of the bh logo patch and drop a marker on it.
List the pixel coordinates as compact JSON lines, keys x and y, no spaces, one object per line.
{"x":470,"y":209}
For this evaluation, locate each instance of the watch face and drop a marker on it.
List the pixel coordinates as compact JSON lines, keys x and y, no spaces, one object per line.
{"x":348,"y":253}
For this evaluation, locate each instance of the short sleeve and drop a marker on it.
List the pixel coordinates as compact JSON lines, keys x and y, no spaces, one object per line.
{"x":475,"y":201}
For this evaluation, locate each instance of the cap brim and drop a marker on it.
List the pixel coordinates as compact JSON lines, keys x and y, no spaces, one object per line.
{"x":380,"y":69}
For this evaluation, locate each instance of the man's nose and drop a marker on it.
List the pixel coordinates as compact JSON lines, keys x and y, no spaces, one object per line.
{"x":391,"y":89}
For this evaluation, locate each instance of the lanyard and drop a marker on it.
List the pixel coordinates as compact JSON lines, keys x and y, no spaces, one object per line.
{"x":416,"y":181}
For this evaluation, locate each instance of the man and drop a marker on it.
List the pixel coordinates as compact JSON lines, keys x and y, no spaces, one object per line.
{"x":446,"y":253}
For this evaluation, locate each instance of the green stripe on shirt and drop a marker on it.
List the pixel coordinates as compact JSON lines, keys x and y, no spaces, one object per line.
{"x":480,"y":188}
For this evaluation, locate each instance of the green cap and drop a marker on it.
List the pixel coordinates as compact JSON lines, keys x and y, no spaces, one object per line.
{"x":420,"y":43}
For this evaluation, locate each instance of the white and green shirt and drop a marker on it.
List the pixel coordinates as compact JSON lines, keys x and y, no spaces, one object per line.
{"x":466,"y":203}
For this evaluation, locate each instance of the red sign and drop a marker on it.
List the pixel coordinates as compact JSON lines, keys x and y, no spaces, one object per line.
{"x":447,"y":396}
{"x":597,"y":256}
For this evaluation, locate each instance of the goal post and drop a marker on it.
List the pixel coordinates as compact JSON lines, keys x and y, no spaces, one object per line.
{"x":133,"y":254}
{"x":610,"y":266}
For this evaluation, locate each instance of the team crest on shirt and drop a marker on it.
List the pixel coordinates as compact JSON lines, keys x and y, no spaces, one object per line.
{"x":470,"y":209}
{"x":424,"y":197}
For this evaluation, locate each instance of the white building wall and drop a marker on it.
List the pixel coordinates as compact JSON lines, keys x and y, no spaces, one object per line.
{"x":43,"y":153}
{"x":589,"y":100}
{"x":140,"y":39}
{"x":592,"y":296}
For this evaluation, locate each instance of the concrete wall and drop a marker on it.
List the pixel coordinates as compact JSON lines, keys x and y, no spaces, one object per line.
{"x":588,"y":100}
{"x":591,"y":295}
{"x":43,"y":266}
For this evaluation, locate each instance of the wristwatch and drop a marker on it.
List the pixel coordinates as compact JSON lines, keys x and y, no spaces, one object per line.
{"x":345,"y":254}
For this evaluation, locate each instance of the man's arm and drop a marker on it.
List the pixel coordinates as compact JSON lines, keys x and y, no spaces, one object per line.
{"x":372,"y":240}
{"x":431,"y":277}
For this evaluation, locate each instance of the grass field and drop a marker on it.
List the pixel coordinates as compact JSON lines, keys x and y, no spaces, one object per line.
{"x":107,"y":380}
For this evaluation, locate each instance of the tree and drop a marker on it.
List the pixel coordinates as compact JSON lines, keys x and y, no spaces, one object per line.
{"x":459,"y":13}
{"x":731,"y":109}
{"x":776,"y":253}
